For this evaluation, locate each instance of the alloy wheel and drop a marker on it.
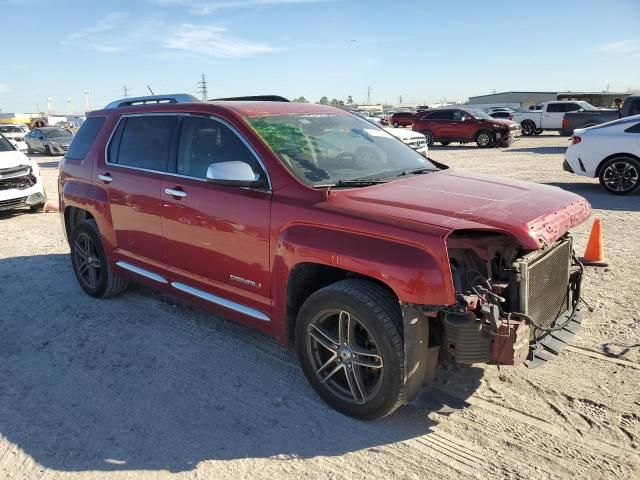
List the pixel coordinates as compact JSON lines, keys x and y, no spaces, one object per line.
{"x":87,"y":260}
{"x":620,"y":176}
{"x":484,"y":139}
{"x":345,"y":356}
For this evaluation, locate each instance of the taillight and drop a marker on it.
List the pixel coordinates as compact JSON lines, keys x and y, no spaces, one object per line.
{"x":575,"y":139}
{"x":565,"y":123}
{"x":510,"y":117}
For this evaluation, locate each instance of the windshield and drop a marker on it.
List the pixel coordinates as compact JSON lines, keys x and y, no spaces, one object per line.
{"x":480,"y":115}
{"x":5,"y":145}
{"x":10,"y":129}
{"x":326,"y":149}
{"x":56,"y":132}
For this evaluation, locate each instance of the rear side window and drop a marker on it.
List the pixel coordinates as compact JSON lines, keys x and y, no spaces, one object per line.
{"x":442,"y":115}
{"x":84,"y":138}
{"x":143,"y":142}
{"x":555,"y":107}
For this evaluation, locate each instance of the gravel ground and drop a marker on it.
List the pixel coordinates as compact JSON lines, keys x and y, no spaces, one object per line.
{"x":144,"y":386}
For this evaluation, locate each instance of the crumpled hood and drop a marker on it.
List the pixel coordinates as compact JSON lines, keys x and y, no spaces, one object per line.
{"x":534,"y":214}
{"x":13,"y":159}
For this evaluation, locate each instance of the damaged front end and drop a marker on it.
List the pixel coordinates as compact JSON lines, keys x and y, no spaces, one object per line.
{"x":514,"y":307}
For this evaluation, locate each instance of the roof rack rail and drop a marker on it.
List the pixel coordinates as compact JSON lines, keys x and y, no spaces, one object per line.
{"x":253,"y":98}
{"x":169,"y":98}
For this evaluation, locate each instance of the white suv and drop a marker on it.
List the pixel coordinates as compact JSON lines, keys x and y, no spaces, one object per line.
{"x":20,"y":182}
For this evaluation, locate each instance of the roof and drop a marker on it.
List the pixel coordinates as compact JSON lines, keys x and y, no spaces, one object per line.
{"x":263,"y":109}
{"x":550,"y":93}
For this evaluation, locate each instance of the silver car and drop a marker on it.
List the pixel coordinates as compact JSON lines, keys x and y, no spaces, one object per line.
{"x":49,"y":140}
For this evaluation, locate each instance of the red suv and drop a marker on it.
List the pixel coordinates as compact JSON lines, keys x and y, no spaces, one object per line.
{"x":461,"y":125}
{"x":401,"y":119}
{"x":313,"y":225}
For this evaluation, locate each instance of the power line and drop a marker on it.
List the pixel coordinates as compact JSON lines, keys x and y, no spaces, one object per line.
{"x":202,"y":88}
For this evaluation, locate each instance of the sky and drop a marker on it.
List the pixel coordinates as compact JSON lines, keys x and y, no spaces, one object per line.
{"x":424,"y":51}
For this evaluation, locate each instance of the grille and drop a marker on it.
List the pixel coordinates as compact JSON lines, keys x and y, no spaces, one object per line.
{"x":14,"y":172}
{"x":545,"y":285}
{"x":13,"y":203}
{"x":20,"y":183}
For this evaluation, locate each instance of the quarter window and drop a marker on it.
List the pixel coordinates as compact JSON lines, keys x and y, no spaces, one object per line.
{"x":441,"y":115}
{"x":204,"y":141}
{"x":84,"y":138}
{"x":143,"y":142}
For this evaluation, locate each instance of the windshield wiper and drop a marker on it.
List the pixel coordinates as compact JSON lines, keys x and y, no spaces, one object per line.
{"x":416,"y":171}
{"x":362,"y":182}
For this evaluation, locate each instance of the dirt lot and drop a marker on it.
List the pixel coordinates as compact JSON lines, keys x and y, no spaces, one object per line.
{"x":145,"y":387}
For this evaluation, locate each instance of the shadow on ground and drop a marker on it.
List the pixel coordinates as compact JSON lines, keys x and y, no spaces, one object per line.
{"x":540,"y":150}
{"x":143,"y":381}
{"x":600,"y":199}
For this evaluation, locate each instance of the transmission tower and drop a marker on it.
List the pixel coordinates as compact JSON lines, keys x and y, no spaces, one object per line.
{"x":202,"y":88}
{"x":88,"y":106}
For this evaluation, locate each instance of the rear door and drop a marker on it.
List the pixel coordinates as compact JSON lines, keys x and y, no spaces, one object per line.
{"x":439,"y":123}
{"x":216,"y":237}
{"x":552,"y":117}
{"x":132,"y":173}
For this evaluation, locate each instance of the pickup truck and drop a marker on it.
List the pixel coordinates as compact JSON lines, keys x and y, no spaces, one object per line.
{"x":547,"y":115}
{"x":588,"y":118}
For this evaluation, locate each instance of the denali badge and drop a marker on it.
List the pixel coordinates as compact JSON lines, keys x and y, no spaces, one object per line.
{"x":235,"y":278}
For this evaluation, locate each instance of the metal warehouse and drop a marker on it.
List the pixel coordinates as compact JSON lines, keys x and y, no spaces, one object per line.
{"x":526,"y":99}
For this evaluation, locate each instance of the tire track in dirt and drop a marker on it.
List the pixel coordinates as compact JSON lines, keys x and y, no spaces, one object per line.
{"x":601,"y":356}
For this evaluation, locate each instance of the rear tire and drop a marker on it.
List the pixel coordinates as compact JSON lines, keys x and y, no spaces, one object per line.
{"x":620,"y":175}
{"x":444,"y":144}
{"x":361,"y":373}
{"x":90,"y":264}
{"x":396,"y":124}
{"x":528,"y":128}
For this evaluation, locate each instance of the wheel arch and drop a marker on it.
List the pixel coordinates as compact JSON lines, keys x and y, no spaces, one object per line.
{"x":620,"y":154}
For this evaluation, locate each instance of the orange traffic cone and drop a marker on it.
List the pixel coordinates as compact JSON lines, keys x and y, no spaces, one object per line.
{"x":594,"y":253}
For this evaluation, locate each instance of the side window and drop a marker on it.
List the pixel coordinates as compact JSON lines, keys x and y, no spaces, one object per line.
{"x":634,"y":109}
{"x":458,"y":115}
{"x":555,"y":107}
{"x":441,"y":115}
{"x":571,"y":107}
{"x":143,"y":142}
{"x":84,"y":138}
{"x":204,"y":141}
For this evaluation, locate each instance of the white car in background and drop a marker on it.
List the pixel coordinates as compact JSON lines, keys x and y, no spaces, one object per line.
{"x":20,"y":182}
{"x":415,"y":140}
{"x":609,"y":151}
{"x":15,"y":133}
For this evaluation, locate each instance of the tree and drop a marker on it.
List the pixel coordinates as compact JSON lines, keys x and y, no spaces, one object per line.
{"x":349,"y":100}
{"x":324,"y":100}
{"x":300,"y":99}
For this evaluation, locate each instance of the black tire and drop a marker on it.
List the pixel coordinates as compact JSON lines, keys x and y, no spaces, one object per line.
{"x":428,"y":137}
{"x":47,"y":150}
{"x":376,"y":313}
{"x":29,"y":150}
{"x":485,"y":139}
{"x":107,"y":282}
{"x":620,"y":175}
{"x":444,"y":144}
{"x":538,"y":131}
{"x":528,"y":128}
{"x":396,"y":124}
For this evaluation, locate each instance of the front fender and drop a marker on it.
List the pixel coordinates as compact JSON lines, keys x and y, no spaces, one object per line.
{"x":417,"y":275}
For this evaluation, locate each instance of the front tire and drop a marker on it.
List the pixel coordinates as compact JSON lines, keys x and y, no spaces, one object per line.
{"x":349,"y":342}
{"x":396,"y":124}
{"x":444,"y":144}
{"x":90,"y":264}
{"x":428,"y":137}
{"x":484,"y":139}
{"x":620,"y":175}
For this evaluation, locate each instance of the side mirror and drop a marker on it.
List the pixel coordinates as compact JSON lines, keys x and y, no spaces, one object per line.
{"x":238,"y":174}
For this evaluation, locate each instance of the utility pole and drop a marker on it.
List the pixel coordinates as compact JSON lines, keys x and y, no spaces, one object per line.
{"x":70,"y":105}
{"x":400,"y":99}
{"x":368,"y":95}
{"x":202,"y":88}
{"x":49,"y":105}
{"x":88,"y":106}
{"x":125,"y":91}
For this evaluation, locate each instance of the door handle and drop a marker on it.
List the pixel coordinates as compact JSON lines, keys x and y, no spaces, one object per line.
{"x":106,"y":178}
{"x":175,"y":192}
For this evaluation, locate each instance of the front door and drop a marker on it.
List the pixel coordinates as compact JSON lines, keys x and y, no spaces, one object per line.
{"x":138,"y":156}
{"x":216,"y":237}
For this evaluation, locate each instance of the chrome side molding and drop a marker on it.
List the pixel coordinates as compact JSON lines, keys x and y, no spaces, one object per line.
{"x":141,"y":271}
{"x":221,"y":301}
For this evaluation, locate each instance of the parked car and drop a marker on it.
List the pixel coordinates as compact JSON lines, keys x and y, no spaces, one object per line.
{"x":491,"y":110}
{"x":415,"y":140}
{"x":20,"y":183}
{"x":547,"y":115}
{"x":313,"y":225}
{"x":589,"y":118}
{"x":16,"y":134}
{"x":463,"y":125}
{"x":49,"y":140}
{"x":502,"y":114}
{"x":401,"y":119}
{"x":609,"y":152}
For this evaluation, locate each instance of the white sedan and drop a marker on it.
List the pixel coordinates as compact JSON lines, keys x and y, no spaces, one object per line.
{"x":15,"y":134}
{"x":20,"y":182}
{"x":610,"y":152}
{"x":415,"y":140}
